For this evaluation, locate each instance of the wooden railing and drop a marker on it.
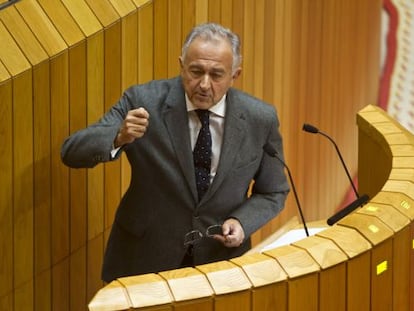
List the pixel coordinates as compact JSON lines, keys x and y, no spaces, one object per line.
{"x":364,"y":262}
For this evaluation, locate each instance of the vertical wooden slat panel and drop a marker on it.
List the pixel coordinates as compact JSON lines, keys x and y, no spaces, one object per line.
{"x":227,"y":13}
{"x":6,"y":190}
{"x":311,"y":112}
{"x":78,"y":293}
{"x":237,"y":27}
{"x":248,"y":48}
{"x":42,"y":186}
{"x":95,"y":109}
{"x":160,"y":39}
{"x":23,"y":189}
{"x":60,"y":215}
{"x":189,"y":9}
{"x":146,"y":37}
{"x":201,"y":11}
{"x":78,"y":181}
{"x":214,"y":14}
{"x":174,"y":38}
{"x":259,"y":73}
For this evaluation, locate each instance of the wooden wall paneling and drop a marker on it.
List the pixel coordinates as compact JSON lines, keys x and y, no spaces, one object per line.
{"x":23,"y":204}
{"x":402,"y":265}
{"x":237,"y":27}
{"x":357,"y":280}
{"x":374,"y":170}
{"x":201,"y":11}
{"x":269,"y":296}
{"x":269,"y":281}
{"x":78,"y":177}
{"x":346,"y":98}
{"x":378,"y":234}
{"x":358,"y":284}
{"x":373,"y":52}
{"x":259,"y":74}
{"x":300,"y":97}
{"x":60,"y":229}
{"x":303,"y":279}
{"x":160,"y":39}
{"x":42,"y":185}
{"x":310,"y":179}
{"x":190,"y":289}
{"x":146,"y":45}
{"x":189,"y":18}
{"x":214,"y":12}
{"x":332,"y":278}
{"x":248,"y":48}
{"x":227,"y":13}
{"x":382,"y":266}
{"x":174,"y":35}
{"x":230,"y":285}
{"x":74,"y":38}
{"x":53,"y":44}
{"x":89,"y":24}
{"x":96,"y":212}
{"x":269,"y":33}
{"x":327,"y":163}
{"x":307,"y":288}
{"x":6,"y":190}
{"x":412,"y":265}
{"x":78,"y":298}
{"x":239,"y":301}
{"x":405,"y":244}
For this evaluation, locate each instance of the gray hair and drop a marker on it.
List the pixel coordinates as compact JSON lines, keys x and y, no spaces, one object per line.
{"x":209,"y":32}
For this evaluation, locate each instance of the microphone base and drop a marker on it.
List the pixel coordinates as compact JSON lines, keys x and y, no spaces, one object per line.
{"x":347,"y":210}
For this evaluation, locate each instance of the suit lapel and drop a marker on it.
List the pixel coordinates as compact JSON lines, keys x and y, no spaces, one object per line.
{"x":234,"y":133}
{"x":176,"y":121}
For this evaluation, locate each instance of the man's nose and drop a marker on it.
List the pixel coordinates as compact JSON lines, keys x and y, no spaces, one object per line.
{"x":205,"y":82}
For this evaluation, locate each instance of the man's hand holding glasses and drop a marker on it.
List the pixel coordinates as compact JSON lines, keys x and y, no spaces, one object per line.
{"x":231,"y":234}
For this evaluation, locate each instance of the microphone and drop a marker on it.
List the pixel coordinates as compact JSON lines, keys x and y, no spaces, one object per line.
{"x":274,"y":154}
{"x":312,"y":129}
{"x":361,"y":200}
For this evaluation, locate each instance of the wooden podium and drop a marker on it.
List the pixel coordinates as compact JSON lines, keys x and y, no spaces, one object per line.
{"x":363,"y":262}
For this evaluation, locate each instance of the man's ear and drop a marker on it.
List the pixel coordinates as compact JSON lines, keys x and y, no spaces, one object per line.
{"x":237,"y":73}
{"x":180,"y":59}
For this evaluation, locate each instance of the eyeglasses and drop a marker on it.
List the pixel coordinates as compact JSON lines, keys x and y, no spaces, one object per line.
{"x":195,"y":236}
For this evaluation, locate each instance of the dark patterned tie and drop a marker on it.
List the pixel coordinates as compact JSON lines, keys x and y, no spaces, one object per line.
{"x":202,"y":154}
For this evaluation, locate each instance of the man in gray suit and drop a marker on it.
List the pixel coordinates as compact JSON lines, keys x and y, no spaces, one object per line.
{"x":162,"y":221}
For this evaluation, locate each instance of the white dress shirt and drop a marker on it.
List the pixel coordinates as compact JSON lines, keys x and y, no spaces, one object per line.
{"x":217,"y":113}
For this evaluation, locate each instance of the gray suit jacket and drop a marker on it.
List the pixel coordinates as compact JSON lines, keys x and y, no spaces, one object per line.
{"x":161,"y":204}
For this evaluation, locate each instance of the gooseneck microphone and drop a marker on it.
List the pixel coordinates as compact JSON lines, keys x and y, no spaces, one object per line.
{"x":361,"y":200}
{"x":274,"y":154}
{"x":311,"y":129}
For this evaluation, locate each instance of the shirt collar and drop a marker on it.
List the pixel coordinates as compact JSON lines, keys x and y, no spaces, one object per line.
{"x":218,"y":109}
